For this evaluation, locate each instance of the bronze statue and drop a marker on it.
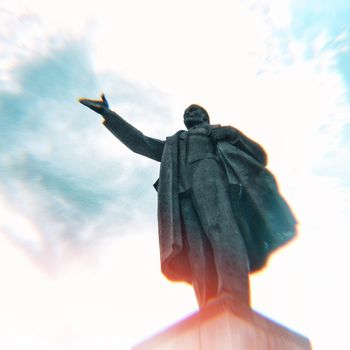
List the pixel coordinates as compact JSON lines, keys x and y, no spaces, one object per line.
{"x":220,"y":214}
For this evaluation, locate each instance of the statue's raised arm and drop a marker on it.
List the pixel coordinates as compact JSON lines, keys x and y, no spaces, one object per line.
{"x":131,"y":137}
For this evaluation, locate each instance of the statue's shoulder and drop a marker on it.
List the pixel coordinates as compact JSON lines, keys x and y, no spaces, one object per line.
{"x":212,"y":126}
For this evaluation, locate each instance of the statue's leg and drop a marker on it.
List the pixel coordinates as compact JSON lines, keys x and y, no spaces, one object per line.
{"x":200,"y":254}
{"x":213,"y":205}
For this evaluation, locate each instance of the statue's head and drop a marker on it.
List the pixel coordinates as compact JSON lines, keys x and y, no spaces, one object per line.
{"x":195,"y":115}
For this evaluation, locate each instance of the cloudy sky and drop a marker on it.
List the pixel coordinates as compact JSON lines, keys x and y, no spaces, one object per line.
{"x":79,"y":260}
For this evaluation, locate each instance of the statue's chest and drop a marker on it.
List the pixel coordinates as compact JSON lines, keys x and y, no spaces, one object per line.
{"x":196,"y":145}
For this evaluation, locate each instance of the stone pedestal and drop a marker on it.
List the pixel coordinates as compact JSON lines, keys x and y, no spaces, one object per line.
{"x":224,"y":325}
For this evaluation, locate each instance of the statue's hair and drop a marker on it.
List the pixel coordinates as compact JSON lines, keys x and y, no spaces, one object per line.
{"x":194,"y":107}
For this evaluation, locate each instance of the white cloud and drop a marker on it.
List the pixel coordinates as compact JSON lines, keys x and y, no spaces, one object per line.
{"x":89,"y":303}
{"x":249,"y":70}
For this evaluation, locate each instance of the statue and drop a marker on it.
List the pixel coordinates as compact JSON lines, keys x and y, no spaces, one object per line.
{"x":220,"y":214}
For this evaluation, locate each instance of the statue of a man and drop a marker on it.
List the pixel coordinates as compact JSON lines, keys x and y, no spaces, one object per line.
{"x":220,"y":214}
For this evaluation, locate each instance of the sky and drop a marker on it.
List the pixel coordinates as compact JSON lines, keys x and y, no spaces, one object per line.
{"x":79,"y":258}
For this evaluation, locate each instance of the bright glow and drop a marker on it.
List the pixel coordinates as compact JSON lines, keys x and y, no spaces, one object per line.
{"x":244,"y":63}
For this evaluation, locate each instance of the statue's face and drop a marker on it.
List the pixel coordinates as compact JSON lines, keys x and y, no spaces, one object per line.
{"x":194,"y":116}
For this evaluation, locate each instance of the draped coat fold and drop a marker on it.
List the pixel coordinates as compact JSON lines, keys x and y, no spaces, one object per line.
{"x":265,"y":220}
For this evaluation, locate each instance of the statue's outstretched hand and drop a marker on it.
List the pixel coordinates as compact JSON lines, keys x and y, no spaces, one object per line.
{"x":224,"y":133}
{"x":99,"y":106}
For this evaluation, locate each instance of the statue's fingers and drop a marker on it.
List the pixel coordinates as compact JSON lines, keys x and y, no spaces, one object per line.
{"x":104,"y":99}
{"x":94,"y":105}
{"x":84,"y":101}
{"x":213,"y":136}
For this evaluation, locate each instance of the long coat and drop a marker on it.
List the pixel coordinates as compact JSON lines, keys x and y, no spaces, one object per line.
{"x":264,"y":218}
